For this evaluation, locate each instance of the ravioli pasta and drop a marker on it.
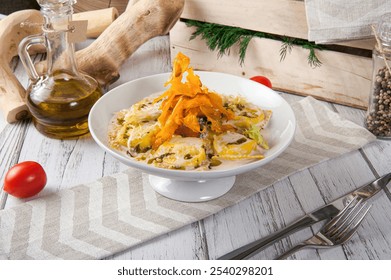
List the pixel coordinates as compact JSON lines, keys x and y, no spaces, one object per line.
{"x":190,"y":127}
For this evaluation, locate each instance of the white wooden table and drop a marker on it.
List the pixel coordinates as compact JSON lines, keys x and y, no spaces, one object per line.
{"x":73,"y":162}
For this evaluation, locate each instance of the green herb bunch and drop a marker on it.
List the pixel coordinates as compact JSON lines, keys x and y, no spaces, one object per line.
{"x":221,"y":38}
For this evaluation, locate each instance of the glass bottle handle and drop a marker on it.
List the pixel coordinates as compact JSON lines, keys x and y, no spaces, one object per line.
{"x":24,"y":56}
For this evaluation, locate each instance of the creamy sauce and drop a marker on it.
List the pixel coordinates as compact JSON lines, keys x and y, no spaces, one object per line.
{"x":146,"y":113}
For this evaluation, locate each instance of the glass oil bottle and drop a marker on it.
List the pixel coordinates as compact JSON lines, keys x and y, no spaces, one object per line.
{"x":378,"y":118}
{"x":59,"y":100}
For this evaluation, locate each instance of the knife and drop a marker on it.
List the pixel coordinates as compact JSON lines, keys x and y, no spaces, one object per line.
{"x":324,"y":212}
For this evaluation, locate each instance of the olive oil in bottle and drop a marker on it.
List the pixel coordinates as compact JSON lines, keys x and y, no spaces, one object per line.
{"x":60,"y":100}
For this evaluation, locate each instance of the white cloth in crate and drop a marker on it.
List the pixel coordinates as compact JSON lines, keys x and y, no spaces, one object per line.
{"x":343,"y":20}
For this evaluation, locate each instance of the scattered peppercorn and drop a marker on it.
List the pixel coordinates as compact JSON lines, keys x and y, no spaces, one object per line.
{"x":378,"y":119}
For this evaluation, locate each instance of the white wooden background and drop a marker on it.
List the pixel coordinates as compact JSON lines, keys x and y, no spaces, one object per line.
{"x":72,"y":162}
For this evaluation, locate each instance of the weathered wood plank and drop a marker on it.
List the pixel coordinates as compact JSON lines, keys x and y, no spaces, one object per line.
{"x":285,"y":17}
{"x":120,"y":5}
{"x":305,"y":191}
{"x":336,"y":177}
{"x":11,"y":136}
{"x":11,"y":139}
{"x":256,"y":217}
{"x":85,"y":5}
{"x":279,"y":17}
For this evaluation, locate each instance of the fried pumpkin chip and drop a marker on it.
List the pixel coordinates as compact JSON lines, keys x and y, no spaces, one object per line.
{"x":187,"y":100}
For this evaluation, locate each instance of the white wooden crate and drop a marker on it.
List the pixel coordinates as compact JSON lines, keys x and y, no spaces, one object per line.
{"x":343,"y":77}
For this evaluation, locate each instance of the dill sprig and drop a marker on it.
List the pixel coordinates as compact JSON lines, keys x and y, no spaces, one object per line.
{"x":221,"y":38}
{"x":312,"y":59}
{"x":286,"y":47}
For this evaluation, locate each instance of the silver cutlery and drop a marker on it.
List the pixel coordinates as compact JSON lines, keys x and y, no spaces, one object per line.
{"x":337,"y":231}
{"x":330,"y":210}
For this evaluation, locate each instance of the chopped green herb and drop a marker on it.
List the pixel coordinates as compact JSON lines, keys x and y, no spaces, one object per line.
{"x":222,"y":37}
{"x":255,"y":134}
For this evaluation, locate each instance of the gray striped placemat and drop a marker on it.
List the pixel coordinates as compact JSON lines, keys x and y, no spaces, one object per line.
{"x":96,"y":220}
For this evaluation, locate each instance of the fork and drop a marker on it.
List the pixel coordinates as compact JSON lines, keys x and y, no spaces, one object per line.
{"x":338,"y":230}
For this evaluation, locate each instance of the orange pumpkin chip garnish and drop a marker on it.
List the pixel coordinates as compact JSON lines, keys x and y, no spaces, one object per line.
{"x":185,"y":102}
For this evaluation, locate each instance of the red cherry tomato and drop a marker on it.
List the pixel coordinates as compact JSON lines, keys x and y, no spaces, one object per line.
{"x":262,"y":80}
{"x":25,"y":179}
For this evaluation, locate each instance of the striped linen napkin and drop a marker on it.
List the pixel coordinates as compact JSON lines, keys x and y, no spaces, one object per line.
{"x":96,"y":220}
{"x":341,"y":20}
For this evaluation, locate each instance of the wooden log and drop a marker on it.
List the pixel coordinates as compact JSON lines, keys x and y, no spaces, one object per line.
{"x":11,"y":33}
{"x":98,"y":20}
{"x":144,"y":20}
{"x":11,"y":103}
